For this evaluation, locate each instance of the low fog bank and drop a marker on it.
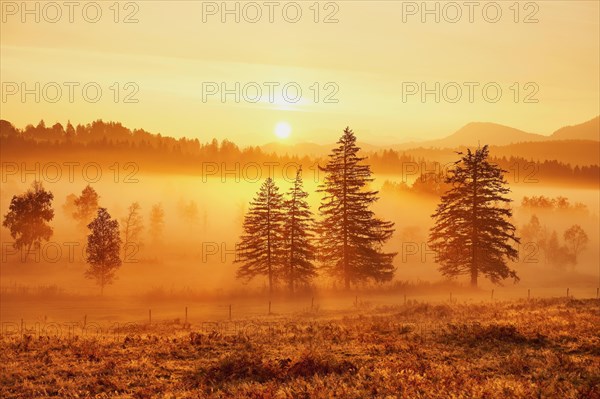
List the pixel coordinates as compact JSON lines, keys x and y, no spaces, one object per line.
{"x":192,"y":264}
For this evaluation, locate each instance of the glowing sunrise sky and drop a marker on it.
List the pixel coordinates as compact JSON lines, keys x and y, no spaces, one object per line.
{"x":367,"y":55}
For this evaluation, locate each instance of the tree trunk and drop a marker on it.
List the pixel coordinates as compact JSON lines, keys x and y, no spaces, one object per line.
{"x":345,"y":204}
{"x":292,"y":248}
{"x":291,"y":276}
{"x":28,"y":250}
{"x":292,"y":266}
{"x":270,"y":280}
{"x":474,"y":232}
{"x":347,"y":282}
{"x":270,"y":271}
{"x":102,"y":280}
{"x":474,"y":276}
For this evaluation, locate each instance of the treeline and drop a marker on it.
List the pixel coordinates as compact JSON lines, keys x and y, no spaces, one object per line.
{"x":559,"y":203}
{"x":111,"y":141}
{"x":519,"y":170}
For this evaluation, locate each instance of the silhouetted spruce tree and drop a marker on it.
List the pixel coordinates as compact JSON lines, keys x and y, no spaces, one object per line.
{"x":351,"y":236}
{"x":103,"y":246}
{"x":28,"y":216}
{"x":298,"y":234}
{"x":261,"y":245}
{"x":472,"y":231}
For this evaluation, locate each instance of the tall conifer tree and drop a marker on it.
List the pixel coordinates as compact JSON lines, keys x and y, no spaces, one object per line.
{"x":351,"y":236}
{"x":298,"y":233}
{"x":472,"y":233}
{"x":261,"y":248}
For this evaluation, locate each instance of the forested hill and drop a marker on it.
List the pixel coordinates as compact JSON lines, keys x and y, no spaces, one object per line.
{"x":109,"y":142}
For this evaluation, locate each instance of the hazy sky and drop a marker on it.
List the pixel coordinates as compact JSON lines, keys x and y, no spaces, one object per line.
{"x":368,"y":61}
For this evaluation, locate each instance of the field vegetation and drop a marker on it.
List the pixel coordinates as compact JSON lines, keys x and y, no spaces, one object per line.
{"x":539,"y":348}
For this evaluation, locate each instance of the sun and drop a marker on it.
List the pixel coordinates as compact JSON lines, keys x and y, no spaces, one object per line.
{"x":283,"y":130}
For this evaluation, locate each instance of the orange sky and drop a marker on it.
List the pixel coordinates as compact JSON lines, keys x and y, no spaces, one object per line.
{"x":368,"y":56}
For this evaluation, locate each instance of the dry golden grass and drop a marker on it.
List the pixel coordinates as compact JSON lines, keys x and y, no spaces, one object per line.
{"x":538,"y":349}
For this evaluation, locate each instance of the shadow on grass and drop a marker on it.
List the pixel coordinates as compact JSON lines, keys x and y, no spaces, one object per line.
{"x":251,"y":366}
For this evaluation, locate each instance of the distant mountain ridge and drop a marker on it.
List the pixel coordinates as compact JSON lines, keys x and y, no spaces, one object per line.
{"x":589,"y":130}
{"x":473,"y":133}
{"x":486,"y":133}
